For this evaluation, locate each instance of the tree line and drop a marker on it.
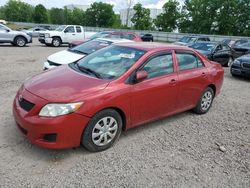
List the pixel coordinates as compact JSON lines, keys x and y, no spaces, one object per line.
{"x":226,"y":17}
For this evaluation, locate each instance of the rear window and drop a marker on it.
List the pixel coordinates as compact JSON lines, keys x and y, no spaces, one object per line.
{"x":188,"y":61}
{"x":78,"y":29}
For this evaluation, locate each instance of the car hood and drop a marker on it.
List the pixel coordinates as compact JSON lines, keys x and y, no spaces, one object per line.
{"x":64,"y":84}
{"x":181,"y":43}
{"x":244,"y":58}
{"x":65,"y":57}
{"x":18,"y":32}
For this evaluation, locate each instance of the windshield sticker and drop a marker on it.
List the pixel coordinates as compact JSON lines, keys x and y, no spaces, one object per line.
{"x":127,"y":56}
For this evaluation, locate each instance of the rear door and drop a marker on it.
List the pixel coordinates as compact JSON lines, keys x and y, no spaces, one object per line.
{"x":192,"y":78}
{"x":156,"y":96}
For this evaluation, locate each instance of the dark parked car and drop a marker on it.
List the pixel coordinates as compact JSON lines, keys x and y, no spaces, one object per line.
{"x":147,"y":37}
{"x":241,"y":66}
{"x":190,"y":40}
{"x":234,"y":42}
{"x":243,"y":48}
{"x":219,"y":52}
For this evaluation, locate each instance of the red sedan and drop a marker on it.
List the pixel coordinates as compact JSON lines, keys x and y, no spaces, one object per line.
{"x":119,"y":87}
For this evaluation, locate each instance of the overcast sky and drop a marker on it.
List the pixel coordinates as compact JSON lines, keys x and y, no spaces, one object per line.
{"x":118,"y":4}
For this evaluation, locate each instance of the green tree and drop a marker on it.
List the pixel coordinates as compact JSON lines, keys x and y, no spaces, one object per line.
{"x":16,"y":10}
{"x":40,"y":14}
{"x":57,"y":16}
{"x":117,"y":23}
{"x":141,"y":18}
{"x":167,"y":21}
{"x":2,"y":15}
{"x":100,"y":15}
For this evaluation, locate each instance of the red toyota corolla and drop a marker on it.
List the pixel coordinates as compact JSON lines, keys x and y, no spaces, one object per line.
{"x":119,"y":87}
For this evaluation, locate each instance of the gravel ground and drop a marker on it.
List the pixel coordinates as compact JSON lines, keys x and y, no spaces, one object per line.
{"x":185,"y":150}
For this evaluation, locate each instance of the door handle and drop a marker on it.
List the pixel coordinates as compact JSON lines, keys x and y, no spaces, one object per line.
{"x":73,"y":34}
{"x":203,"y":74}
{"x":173,"y":82}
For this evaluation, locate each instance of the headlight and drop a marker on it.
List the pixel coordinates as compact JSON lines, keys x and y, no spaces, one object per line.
{"x":47,"y":35}
{"x":236,"y":62}
{"x":56,"y":109}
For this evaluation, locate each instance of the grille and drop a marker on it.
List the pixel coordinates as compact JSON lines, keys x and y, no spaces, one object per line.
{"x":26,"y":105}
{"x":41,"y":35}
{"x":246,"y":65}
{"x":53,"y":64}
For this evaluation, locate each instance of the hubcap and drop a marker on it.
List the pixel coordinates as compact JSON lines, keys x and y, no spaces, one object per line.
{"x":56,"y":43}
{"x":20,"y":42}
{"x":206,"y":100}
{"x":104,"y":131}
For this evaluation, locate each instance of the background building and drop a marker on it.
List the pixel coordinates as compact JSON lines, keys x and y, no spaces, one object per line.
{"x":124,"y":13}
{"x":73,"y":6}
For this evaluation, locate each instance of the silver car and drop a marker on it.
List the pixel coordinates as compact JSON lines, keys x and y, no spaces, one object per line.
{"x":16,"y":38}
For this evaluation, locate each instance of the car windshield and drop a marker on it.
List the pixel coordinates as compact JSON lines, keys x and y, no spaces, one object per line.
{"x":203,"y":46}
{"x":99,"y":35}
{"x":90,"y":46}
{"x":244,"y":44}
{"x":110,"y":62}
{"x":187,"y":39}
{"x":61,"y":28}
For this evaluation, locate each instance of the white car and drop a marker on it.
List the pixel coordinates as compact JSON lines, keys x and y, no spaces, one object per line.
{"x":64,"y":34}
{"x":72,"y":55}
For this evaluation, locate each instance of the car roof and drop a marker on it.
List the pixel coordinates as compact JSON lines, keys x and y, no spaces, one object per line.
{"x":114,"y":40}
{"x":119,"y":32}
{"x":150,"y":46}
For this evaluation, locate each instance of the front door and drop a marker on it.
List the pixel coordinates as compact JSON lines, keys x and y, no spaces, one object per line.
{"x":156,"y":96}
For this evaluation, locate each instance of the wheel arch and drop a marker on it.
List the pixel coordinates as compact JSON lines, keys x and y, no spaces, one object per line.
{"x":20,"y":36}
{"x":213,"y":88}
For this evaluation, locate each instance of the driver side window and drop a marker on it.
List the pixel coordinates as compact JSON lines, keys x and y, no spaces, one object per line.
{"x":159,"y":66}
{"x":69,"y":29}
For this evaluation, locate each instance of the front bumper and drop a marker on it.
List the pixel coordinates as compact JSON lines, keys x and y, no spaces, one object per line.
{"x":239,"y":70}
{"x":45,"y":40}
{"x":66,"y":130}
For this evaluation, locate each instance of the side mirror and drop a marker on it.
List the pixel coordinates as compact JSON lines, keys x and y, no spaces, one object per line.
{"x":7,"y":30}
{"x":141,"y":75}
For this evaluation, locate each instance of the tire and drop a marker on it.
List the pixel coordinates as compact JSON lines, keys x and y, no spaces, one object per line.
{"x":56,"y":42}
{"x":93,"y":137}
{"x":20,"y":41}
{"x":205,"y":101}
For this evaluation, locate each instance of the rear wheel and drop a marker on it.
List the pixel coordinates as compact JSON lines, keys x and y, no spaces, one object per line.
{"x":20,"y":41}
{"x":205,"y":101}
{"x":102,"y":131}
{"x":56,"y":42}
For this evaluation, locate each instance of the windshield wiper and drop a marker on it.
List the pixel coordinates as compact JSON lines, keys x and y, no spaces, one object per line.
{"x":88,"y":70}
{"x":78,"y":51}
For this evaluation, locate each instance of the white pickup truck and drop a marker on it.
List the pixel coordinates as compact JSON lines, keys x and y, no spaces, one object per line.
{"x":63,"y":35}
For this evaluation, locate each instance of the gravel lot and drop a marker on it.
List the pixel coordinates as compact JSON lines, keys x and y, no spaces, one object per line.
{"x":185,"y":150}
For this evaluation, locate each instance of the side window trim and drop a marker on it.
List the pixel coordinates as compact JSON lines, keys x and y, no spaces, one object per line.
{"x":188,"y":52}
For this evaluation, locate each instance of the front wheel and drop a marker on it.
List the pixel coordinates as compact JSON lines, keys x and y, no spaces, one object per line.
{"x":56,"y":42}
{"x":20,"y":41}
{"x":205,"y":101}
{"x":102,"y":131}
